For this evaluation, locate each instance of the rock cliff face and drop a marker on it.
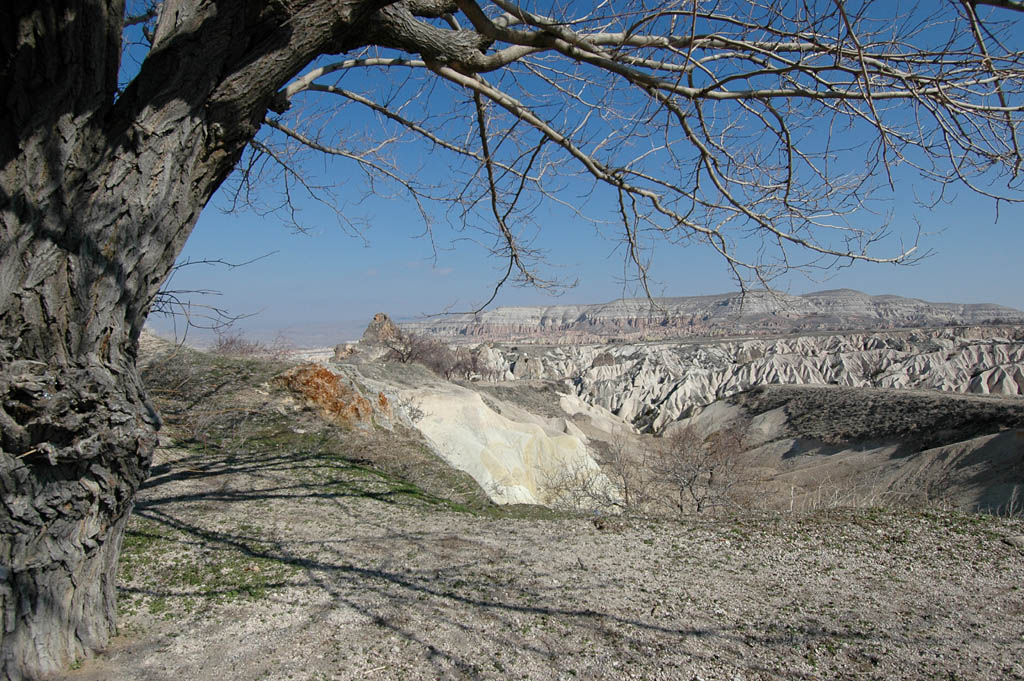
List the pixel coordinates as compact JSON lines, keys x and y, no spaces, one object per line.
{"x":515,"y":455}
{"x":380,"y":329}
{"x":653,"y":384}
{"x":758,"y":313}
{"x":515,"y":461}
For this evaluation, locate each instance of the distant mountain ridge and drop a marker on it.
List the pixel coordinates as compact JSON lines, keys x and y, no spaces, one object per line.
{"x":726,"y":314}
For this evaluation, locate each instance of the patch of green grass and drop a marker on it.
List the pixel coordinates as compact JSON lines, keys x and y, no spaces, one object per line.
{"x":144,"y":543}
{"x":166,"y":570}
{"x":158,"y":605}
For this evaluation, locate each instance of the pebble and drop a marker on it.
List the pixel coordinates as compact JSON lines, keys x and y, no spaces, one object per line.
{"x":1016,"y":541}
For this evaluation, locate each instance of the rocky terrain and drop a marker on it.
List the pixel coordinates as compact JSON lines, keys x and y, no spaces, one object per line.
{"x":510,"y":451}
{"x":914,"y":417}
{"x":297,"y":525}
{"x":653,"y":384}
{"x":727,"y":314}
{"x":804,"y":446}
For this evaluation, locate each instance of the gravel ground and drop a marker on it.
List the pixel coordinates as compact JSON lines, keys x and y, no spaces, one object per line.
{"x":287,"y":567}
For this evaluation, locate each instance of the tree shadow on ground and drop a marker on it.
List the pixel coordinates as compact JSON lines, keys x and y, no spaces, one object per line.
{"x":453,"y":601}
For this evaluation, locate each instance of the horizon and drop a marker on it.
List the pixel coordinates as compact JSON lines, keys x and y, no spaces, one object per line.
{"x":301,"y":337}
{"x":365,"y":248}
{"x":327,"y":278}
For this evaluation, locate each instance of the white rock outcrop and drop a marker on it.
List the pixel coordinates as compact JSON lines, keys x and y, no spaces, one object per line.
{"x":726,"y":314}
{"x":515,"y":462}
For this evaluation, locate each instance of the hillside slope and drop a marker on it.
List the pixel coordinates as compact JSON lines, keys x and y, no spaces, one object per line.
{"x":814,"y":446}
{"x":271,"y":544}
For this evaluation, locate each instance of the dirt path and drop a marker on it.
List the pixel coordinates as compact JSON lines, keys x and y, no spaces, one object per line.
{"x":289,"y":566}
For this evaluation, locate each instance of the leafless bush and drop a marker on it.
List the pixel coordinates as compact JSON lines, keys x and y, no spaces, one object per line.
{"x":470,"y":363}
{"x":629,"y":469}
{"x":701,"y":473}
{"x":871,"y":492}
{"x":683,"y":474}
{"x":1014,"y":506}
{"x":625,"y":482}
{"x":439,"y":357}
{"x":406,"y":346}
{"x":409,"y":408}
{"x":577,"y":487}
{"x":234,"y":344}
{"x":194,"y":393}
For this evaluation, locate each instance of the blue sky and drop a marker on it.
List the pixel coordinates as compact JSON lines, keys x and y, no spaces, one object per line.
{"x":325,"y":284}
{"x":328,"y":282}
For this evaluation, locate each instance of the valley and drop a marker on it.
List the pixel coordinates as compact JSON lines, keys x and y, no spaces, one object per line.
{"x":842,"y":505}
{"x":288,"y":534}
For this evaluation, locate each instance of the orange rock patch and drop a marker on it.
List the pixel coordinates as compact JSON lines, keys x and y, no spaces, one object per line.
{"x":325,"y":389}
{"x":383,"y":405}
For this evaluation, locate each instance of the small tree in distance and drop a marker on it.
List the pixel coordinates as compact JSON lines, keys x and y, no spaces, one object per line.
{"x":678,"y":475}
{"x":701,"y":474}
{"x":406,"y":346}
{"x":630,"y":469}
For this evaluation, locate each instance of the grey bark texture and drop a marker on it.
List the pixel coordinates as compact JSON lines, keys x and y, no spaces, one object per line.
{"x":98,"y":192}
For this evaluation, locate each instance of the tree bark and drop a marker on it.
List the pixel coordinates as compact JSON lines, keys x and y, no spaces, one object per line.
{"x":66,"y":501}
{"x":98,"y":192}
{"x":81,"y":255}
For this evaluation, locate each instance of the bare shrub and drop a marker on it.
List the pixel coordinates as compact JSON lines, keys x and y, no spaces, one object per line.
{"x":1014,"y":506}
{"x":195,"y":391}
{"x":629,"y":469}
{"x":406,"y":346}
{"x":701,"y":474}
{"x":440,"y":359}
{"x":682,"y":474}
{"x":577,"y":487}
{"x":234,"y":344}
{"x":469,"y":363}
{"x":625,"y":482}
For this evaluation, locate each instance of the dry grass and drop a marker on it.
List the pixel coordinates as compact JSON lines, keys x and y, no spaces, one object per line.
{"x":234,"y":344}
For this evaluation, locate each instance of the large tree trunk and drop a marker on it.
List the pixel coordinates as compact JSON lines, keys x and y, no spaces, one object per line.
{"x":76,"y":446}
{"x":76,"y":435}
{"x":98,"y":192}
{"x":82,"y":253}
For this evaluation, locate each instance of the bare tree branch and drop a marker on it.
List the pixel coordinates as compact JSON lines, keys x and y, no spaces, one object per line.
{"x":709,"y":124}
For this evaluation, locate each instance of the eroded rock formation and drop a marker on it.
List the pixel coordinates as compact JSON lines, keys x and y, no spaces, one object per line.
{"x":380,"y":329}
{"x":339,"y":400}
{"x":516,"y":460}
{"x":652,"y":384}
{"x":515,"y":455}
